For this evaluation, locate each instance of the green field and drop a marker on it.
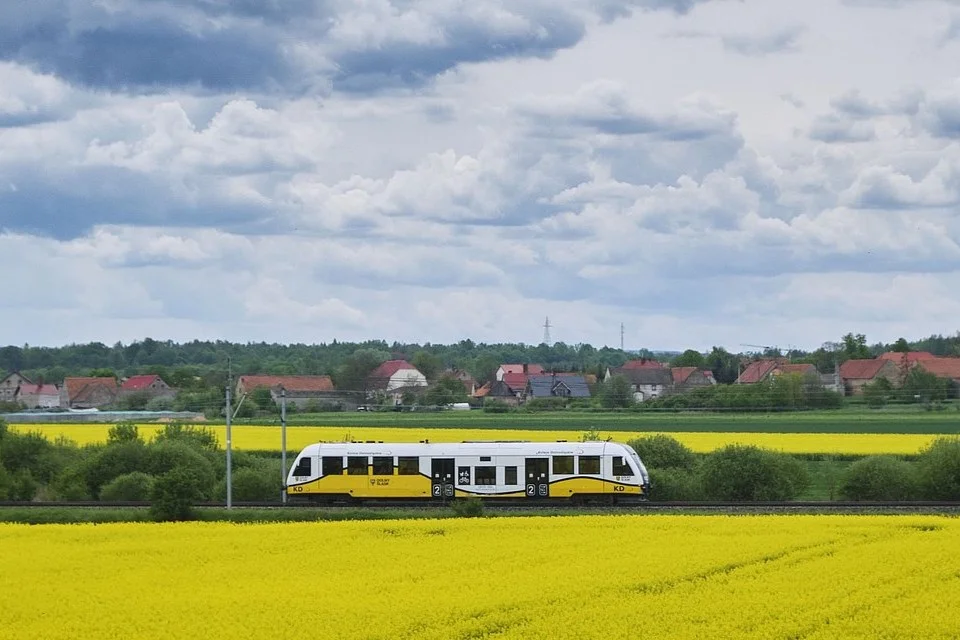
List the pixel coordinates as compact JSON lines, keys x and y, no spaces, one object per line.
{"x":853,"y":420}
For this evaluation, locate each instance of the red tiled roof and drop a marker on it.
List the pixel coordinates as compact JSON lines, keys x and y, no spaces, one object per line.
{"x":680,"y":374}
{"x":39,"y":389}
{"x":861,"y":369}
{"x":290,"y":383}
{"x":757,"y":371}
{"x":516,"y":381}
{"x":642,"y":363}
{"x":482,"y":391}
{"x":532,"y":369}
{"x":390,"y":367}
{"x":136,"y":383}
{"x":76,"y":386}
{"x":802,"y":369}
{"x":943,"y":367}
{"x":910,"y":356}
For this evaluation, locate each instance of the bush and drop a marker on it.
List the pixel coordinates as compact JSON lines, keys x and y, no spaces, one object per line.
{"x":495,"y":406}
{"x":252,"y":484}
{"x":174,"y":494}
{"x":749,"y":473}
{"x":663,"y":452}
{"x":201,"y":437}
{"x":22,"y":486}
{"x":674,"y":484}
{"x":879,"y":478}
{"x":160,"y":404}
{"x":939,"y":469}
{"x":112,"y":461}
{"x":71,"y":484}
{"x":130,"y":487}
{"x":168,"y":456}
{"x":123,"y":432}
{"x":471,"y":507}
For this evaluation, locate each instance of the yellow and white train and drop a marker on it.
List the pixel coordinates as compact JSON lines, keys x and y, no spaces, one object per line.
{"x":609,"y":472}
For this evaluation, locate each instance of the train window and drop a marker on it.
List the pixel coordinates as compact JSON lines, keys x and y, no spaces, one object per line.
{"x":563,"y":464}
{"x":332,"y":466}
{"x":357,"y":465}
{"x":590,"y":465}
{"x":463,"y":475}
{"x":408,"y":466}
{"x":383,"y":466}
{"x":510,"y":475}
{"x":303,"y":467}
{"x":485,"y":459}
{"x":620,"y":467}
{"x":485,"y":475}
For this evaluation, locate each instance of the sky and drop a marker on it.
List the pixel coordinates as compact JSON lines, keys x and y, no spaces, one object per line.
{"x":705,"y":172}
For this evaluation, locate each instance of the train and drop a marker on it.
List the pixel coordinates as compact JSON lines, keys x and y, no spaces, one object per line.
{"x":582,"y":472}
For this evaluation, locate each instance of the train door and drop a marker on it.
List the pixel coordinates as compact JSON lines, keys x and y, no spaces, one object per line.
{"x":441,"y":474}
{"x":538,"y":477}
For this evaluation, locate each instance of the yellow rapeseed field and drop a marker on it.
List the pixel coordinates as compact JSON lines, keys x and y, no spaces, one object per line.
{"x":628,"y":576}
{"x":268,"y":437}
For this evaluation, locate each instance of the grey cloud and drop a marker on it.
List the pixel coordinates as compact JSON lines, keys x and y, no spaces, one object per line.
{"x":780,"y":41}
{"x":301,"y":46}
{"x":832,"y":128}
{"x":941,"y":117}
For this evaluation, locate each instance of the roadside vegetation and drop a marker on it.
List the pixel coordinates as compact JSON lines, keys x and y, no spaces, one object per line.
{"x":184,"y":465}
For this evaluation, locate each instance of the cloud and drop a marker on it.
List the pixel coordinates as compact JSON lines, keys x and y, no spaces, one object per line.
{"x":839,"y":129}
{"x":779,"y":41}
{"x":301,"y":47}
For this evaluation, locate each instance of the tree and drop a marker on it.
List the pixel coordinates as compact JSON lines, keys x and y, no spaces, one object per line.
{"x":174,"y":494}
{"x":854,"y":347}
{"x":724,"y":365}
{"x":446,"y":390}
{"x":352,"y":374}
{"x":616,"y":393}
{"x":879,"y":478}
{"x":901,"y":346}
{"x":263,"y":399}
{"x":427,"y":364}
{"x":690,"y":358}
{"x":747,"y":472}
{"x":922,"y":386}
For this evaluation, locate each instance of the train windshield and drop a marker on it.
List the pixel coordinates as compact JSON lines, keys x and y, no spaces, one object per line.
{"x":645,"y":478}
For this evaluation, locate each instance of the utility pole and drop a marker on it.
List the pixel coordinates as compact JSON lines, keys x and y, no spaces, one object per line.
{"x":621,"y":336}
{"x":283,"y":445}
{"x":229,"y":441}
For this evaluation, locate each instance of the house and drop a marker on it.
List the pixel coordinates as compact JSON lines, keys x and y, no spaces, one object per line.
{"x":516,"y":382}
{"x":88,"y":393}
{"x":525,"y":369}
{"x":556,"y":386}
{"x":9,"y":386}
{"x":854,"y":374}
{"x":151,"y":385}
{"x":469,"y":383}
{"x":395,"y":374}
{"x":498,"y":390}
{"x":909,"y":357}
{"x":647,"y":382}
{"x":760,"y":370}
{"x":946,"y":368}
{"x":631,"y":365}
{"x":299,"y":390}
{"x":687,"y":378}
{"x":38,"y":396}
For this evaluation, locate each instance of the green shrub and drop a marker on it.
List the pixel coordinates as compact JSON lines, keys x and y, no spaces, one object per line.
{"x":252,"y":484}
{"x":123,"y":432}
{"x":200,"y":437}
{"x":471,"y":507}
{"x":23,"y":486}
{"x":939,"y":469}
{"x":663,"y":452}
{"x":169,"y":455}
{"x":130,"y":487}
{"x":749,"y":473}
{"x":70,"y":484}
{"x":879,"y":478}
{"x":174,"y":494}
{"x":495,"y":406}
{"x":674,"y":484}
{"x":107,"y":463}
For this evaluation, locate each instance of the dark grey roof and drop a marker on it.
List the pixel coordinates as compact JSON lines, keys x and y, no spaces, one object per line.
{"x":546,"y":386}
{"x":646,"y":376}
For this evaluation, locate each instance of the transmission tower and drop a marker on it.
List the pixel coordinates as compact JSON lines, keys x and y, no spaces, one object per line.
{"x":621,"y":336}
{"x":546,"y":331}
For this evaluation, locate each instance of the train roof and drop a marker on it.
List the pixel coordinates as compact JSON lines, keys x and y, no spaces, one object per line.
{"x":467,"y":447}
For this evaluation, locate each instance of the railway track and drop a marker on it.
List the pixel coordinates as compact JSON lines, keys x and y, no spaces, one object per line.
{"x":826,"y":506}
